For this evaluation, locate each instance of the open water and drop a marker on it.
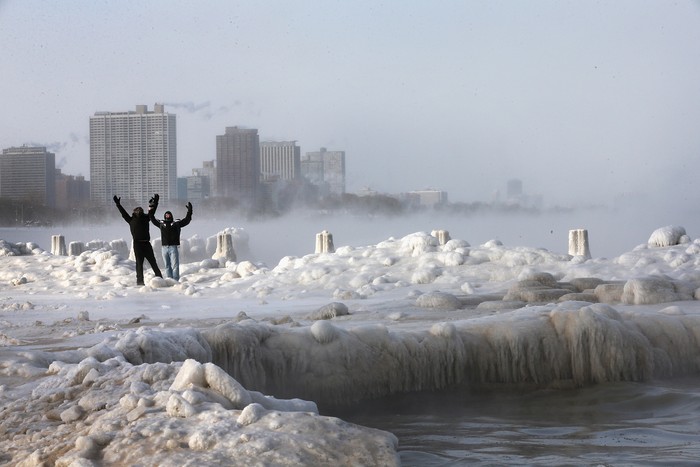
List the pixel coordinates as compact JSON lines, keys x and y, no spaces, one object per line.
{"x":617,"y":424}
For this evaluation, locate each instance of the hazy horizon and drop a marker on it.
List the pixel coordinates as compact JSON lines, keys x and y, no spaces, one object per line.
{"x":579,"y":100}
{"x":611,"y":232}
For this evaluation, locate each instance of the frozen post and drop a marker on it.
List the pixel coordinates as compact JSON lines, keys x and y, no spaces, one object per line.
{"x":75,"y":248}
{"x":578,"y":243}
{"x":443,"y":236}
{"x":211,"y":246}
{"x":224,"y":247}
{"x":120,"y":247}
{"x":324,"y":242}
{"x":58,"y":245}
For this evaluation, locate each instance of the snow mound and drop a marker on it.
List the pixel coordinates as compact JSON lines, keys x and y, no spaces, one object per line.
{"x":439,"y":300}
{"x":651,"y":290}
{"x":668,"y":236}
{"x":172,"y":414}
{"x":330,"y":311}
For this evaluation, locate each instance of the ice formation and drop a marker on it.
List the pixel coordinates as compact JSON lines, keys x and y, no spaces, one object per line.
{"x":233,"y":363}
{"x":578,"y":243}
{"x":668,"y":236}
{"x":324,"y":242}
{"x":116,"y":413}
{"x":565,"y":344}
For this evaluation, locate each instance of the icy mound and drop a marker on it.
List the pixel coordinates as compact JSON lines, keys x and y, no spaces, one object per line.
{"x":650,"y":290}
{"x":114,"y":413}
{"x":19,"y":249}
{"x":416,"y":259}
{"x":668,"y":236}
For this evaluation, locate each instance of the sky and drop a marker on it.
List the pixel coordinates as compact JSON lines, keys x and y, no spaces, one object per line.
{"x":583,"y":101}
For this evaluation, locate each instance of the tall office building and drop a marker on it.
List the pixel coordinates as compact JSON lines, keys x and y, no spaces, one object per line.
{"x":238,"y":164}
{"x":280,"y":160}
{"x":326,"y":169}
{"x":133,"y":155}
{"x":28,"y":174}
{"x":71,"y":191}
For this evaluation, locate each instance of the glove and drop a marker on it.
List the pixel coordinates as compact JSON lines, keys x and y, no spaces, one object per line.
{"x":156,"y":197}
{"x":153,"y":202}
{"x":117,"y":200}
{"x":189,"y":207}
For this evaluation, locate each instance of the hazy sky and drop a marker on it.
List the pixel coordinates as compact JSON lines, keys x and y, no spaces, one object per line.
{"x":576,"y":98}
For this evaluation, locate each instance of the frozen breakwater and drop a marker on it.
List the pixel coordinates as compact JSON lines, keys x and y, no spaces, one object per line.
{"x":233,"y":362}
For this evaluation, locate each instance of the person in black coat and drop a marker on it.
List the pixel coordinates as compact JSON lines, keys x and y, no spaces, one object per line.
{"x":170,"y":238}
{"x":138,"y":223}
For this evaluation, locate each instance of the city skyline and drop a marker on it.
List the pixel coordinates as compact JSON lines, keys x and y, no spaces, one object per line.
{"x":584,"y":101}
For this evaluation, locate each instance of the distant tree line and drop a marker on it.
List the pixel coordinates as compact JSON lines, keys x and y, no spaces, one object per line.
{"x":29,"y":213}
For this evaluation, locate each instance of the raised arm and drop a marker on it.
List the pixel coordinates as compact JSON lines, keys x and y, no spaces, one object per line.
{"x":125,"y":215}
{"x":188,"y":217}
{"x":152,"y":207}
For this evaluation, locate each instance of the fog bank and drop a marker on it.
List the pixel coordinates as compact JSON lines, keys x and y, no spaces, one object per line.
{"x":611,"y":231}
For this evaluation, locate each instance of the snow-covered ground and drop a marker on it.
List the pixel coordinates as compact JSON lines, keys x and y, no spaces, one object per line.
{"x":236,"y":363}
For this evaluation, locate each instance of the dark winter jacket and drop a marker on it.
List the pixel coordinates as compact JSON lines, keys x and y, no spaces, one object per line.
{"x":170,"y":230}
{"x":137,"y":223}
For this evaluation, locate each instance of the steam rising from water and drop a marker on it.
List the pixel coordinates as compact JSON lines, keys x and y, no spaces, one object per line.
{"x":611,"y":231}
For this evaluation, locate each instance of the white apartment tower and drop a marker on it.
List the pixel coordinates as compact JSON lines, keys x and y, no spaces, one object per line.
{"x":133,"y":155}
{"x":280,"y":160}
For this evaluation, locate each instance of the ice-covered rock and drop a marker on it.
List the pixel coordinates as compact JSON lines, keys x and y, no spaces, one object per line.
{"x":439,"y":300}
{"x":668,"y":236}
{"x":329,"y":311}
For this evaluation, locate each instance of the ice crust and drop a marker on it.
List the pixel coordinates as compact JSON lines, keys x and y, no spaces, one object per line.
{"x":242,"y":378}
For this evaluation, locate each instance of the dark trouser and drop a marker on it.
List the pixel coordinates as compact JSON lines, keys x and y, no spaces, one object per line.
{"x":144,"y":250}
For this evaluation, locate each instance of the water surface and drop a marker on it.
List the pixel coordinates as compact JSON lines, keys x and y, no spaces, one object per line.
{"x":617,"y":424}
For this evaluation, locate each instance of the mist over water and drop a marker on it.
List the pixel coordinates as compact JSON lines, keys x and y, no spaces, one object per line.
{"x":611,"y":231}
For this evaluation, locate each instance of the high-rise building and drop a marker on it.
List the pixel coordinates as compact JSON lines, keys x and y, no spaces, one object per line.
{"x":238,"y":164}
{"x":133,"y":155}
{"x":280,"y":160}
{"x":326,"y":169}
{"x":71,"y":191}
{"x":312,"y":167}
{"x":197,"y":187}
{"x":427,"y":197}
{"x":207,"y":170}
{"x":28,"y":174}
